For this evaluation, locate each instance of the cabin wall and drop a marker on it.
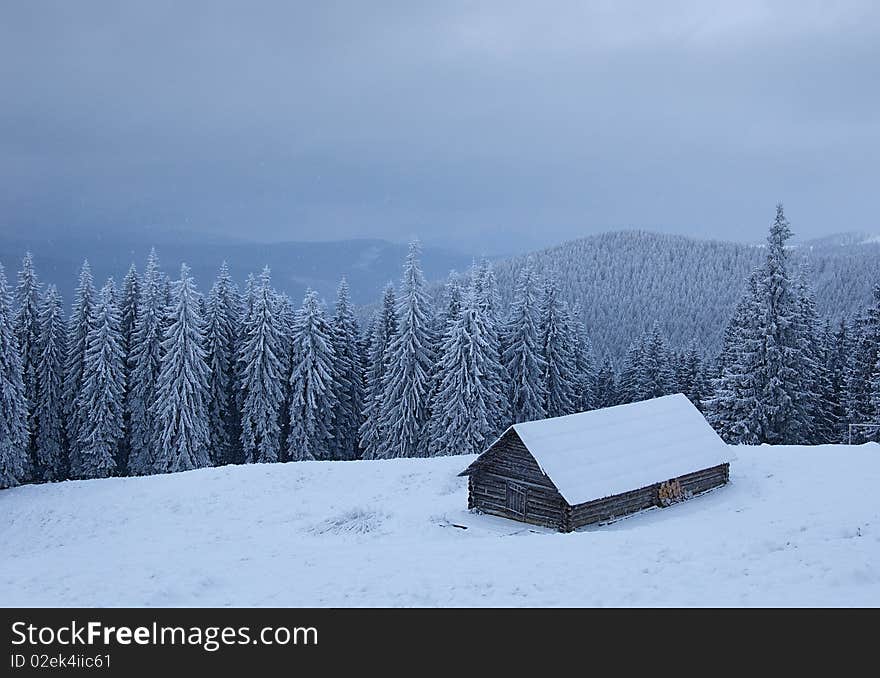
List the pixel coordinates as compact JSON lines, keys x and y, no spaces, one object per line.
{"x":509,"y":462}
{"x":602,"y":510}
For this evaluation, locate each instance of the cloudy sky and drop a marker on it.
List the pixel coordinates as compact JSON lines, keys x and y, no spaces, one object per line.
{"x":486,"y":124}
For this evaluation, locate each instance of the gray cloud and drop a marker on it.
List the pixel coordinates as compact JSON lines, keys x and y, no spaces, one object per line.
{"x":455,"y":120}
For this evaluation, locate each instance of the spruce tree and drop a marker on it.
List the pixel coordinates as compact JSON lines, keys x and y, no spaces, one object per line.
{"x":558,"y":345}
{"x":585,"y":368}
{"x":181,"y":407}
{"x":814,"y":376}
{"x":27,"y":334}
{"x":691,"y":379}
{"x":409,"y":365}
{"x":451,"y":309}
{"x":733,"y":407}
{"x":630,"y":388}
{"x":79,"y":325}
{"x":461,"y":413}
{"x":836,"y":358}
{"x":13,"y":405}
{"x":128,"y":308}
{"x":488,"y":301}
{"x":523,"y":363}
{"x":313,"y":398}
{"x":222,"y":325}
{"x":103,"y":386}
{"x":50,"y":444}
{"x":782,"y":370}
{"x":605,"y":394}
{"x":128,"y":311}
{"x":860,"y":373}
{"x":348,"y":377}
{"x":145,"y":364}
{"x":372,"y":438}
{"x":657,"y":378}
{"x":262,"y":374}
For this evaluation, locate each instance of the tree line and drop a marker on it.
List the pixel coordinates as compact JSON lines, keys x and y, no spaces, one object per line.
{"x":155,"y":378}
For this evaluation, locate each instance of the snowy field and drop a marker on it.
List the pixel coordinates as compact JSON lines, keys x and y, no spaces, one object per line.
{"x":796,"y":526}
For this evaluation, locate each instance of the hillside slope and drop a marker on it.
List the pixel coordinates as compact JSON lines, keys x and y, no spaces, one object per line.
{"x":796,"y":526}
{"x":622,"y":282}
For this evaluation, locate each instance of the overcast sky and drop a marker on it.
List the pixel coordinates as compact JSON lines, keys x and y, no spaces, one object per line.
{"x":482,"y":123}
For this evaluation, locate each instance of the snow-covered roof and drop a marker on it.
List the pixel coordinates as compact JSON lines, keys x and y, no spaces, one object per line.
{"x":604,"y":452}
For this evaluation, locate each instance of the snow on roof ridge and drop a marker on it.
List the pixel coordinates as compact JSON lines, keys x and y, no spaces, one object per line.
{"x":599,"y":453}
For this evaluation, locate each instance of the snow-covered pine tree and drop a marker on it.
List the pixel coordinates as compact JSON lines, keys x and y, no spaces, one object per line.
{"x":461,"y":412}
{"x":285,"y":315}
{"x":409,"y":364}
{"x":451,"y":308}
{"x":372,"y":438}
{"x":585,"y":366}
{"x":874,"y":433}
{"x":146,"y":362}
{"x":79,"y":326}
{"x":605,"y":394}
{"x":222,"y":325}
{"x":348,"y":377}
{"x":860,"y":372}
{"x":27,"y":333}
{"x":449,"y":312}
{"x":261,"y":370}
{"x":814,"y":375}
{"x":657,"y":377}
{"x":13,"y":405}
{"x":558,"y":343}
{"x":781,"y":366}
{"x":128,"y":310}
{"x":732,"y":407}
{"x":51,"y":454}
{"x":691,"y":379}
{"x":128,"y":307}
{"x":103,"y":386}
{"x":522,"y":358}
{"x":312,"y":396}
{"x":836,"y":357}
{"x":181,"y":407}
{"x":630,"y":388}
{"x":485,"y":295}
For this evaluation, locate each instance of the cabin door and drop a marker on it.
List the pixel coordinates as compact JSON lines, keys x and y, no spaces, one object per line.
{"x":516,"y":499}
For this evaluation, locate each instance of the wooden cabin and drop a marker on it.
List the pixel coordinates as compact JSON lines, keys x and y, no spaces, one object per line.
{"x":593,"y":467}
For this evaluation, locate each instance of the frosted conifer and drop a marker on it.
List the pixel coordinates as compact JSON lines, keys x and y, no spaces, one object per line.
{"x":312,"y":397}
{"x":262,"y":374}
{"x":13,"y":423}
{"x":181,"y":409}
{"x":50,"y":445}
{"x":522,"y":358}
{"x":372,"y":438}
{"x":145,"y":364}
{"x":409,"y":365}
{"x":103,"y":386}
{"x":348,"y":377}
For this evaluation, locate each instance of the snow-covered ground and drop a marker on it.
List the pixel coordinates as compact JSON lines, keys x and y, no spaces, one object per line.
{"x":796,"y":526}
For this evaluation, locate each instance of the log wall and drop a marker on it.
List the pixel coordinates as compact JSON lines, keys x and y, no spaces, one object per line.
{"x":509,"y":462}
{"x":609,"y":508}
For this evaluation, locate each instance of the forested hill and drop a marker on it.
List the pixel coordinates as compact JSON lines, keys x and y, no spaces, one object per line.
{"x":623,"y":281}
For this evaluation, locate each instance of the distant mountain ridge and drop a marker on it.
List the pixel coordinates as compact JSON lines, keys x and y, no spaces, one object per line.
{"x":368,"y":264}
{"x":622,"y":282}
